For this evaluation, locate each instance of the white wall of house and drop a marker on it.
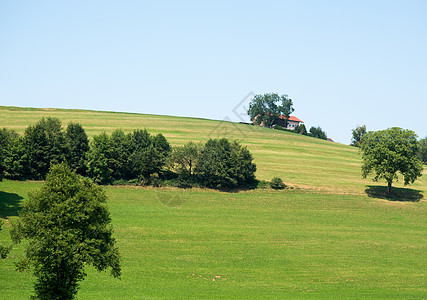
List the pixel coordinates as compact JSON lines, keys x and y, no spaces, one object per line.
{"x":292,"y":125}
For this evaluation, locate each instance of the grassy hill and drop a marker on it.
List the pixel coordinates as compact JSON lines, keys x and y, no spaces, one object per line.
{"x":332,"y":237}
{"x":301,"y":161}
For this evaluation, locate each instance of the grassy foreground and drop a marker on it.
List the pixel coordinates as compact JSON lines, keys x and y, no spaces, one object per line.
{"x":332,"y":237}
{"x":257,"y":244}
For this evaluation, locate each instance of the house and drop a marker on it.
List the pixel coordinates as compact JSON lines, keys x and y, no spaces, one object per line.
{"x":293,"y":122}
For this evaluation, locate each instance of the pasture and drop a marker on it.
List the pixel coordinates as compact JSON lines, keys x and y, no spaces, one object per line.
{"x":332,"y":236}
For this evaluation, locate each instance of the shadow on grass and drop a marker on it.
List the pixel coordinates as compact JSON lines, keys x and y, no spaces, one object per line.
{"x":397,"y":194}
{"x":9,"y":204}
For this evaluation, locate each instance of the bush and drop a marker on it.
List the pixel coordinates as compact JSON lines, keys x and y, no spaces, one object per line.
{"x":225,"y":165}
{"x":277,"y":183}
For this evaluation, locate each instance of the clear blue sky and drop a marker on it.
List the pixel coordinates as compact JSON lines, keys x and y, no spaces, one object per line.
{"x":344,"y":63}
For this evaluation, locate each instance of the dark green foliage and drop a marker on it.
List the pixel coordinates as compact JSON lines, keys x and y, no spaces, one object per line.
{"x":301,"y":129}
{"x":137,"y":155}
{"x":44,"y":144}
{"x":266,"y":109}
{"x":147,"y":154}
{"x":225,"y":165}
{"x":317,"y":132}
{"x":357,"y":135}
{"x":422,"y":150}
{"x":77,"y":145}
{"x":4,"y":251}
{"x":277,"y":183}
{"x":67,"y":225}
{"x":389,"y":152}
{"x":7,"y":140}
{"x":98,"y":160}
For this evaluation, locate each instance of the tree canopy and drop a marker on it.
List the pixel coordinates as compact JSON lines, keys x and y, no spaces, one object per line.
{"x":225,"y":165}
{"x":266,"y":109}
{"x":317,"y":132}
{"x":357,"y":135}
{"x":387,"y":153}
{"x":422,"y":150}
{"x":67,"y":225}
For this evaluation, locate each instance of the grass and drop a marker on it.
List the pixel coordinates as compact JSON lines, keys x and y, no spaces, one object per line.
{"x":333,"y":236}
{"x":255,"y":244}
{"x":300,"y":161}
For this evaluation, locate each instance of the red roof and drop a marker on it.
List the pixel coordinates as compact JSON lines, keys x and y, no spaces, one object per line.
{"x":291,"y":118}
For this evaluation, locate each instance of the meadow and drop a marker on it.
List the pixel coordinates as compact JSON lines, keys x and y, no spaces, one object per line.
{"x":332,"y":236}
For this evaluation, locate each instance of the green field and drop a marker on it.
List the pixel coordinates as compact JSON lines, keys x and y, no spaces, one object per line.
{"x":331,"y":237}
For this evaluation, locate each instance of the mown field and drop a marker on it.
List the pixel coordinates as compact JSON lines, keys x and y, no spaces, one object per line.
{"x":332,"y":236}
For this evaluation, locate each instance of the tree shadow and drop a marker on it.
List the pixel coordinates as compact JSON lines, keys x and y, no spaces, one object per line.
{"x":397,"y":194}
{"x":9,"y":204}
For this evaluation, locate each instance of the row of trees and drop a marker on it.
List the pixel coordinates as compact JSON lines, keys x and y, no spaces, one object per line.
{"x":316,"y":132}
{"x":134,"y":157}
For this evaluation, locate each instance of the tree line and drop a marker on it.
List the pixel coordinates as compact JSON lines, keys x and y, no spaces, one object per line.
{"x":137,"y":157}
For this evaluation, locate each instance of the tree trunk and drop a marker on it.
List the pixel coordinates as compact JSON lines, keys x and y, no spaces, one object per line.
{"x":389,"y":189}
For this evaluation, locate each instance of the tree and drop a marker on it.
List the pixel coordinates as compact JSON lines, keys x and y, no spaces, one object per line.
{"x":4,"y":251}
{"x":317,"y":132}
{"x":44,"y":145}
{"x":7,"y":139}
{"x":266,"y":109}
{"x":225,"y":165}
{"x":77,"y":144}
{"x":387,"y":153}
{"x":67,"y":225}
{"x":98,"y":163}
{"x":301,"y":129}
{"x":357,"y":135}
{"x":422,"y":150}
{"x":186,"y":157}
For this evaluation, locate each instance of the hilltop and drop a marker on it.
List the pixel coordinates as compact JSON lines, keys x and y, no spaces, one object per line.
{"x":301,"y":161}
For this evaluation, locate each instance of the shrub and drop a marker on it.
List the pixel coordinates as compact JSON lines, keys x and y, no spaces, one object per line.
{"x":277,"y":183}
{"x":225,"y":165}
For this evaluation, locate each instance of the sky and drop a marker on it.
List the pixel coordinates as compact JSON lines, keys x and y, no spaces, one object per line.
{"x":343,"y":63}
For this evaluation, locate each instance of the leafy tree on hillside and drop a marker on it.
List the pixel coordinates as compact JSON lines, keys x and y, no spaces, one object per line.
{"x":118,"y":154}
{"x":422,"y":150}
{"x":266,"y":109}
{"x":7,"y":140}
{"x":357,"y":135}
{"x":389,"y":152}
{"x":44,"y":145}
{"x":147,"y":154}
{"x":4,"y":251}
{"x":77,"y":144}
{"x":67,"y":225}
{"x":317,"y":132}
{"x":225,"y":165}
{"x":301,"y":129}
{"x":98,"y":163}
{"x":186,"y":157}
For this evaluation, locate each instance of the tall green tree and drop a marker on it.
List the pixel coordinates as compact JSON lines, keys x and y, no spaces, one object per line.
{"x":186,"y":157}
{"x":44,"y":145}
{"x":4,"y":251}
{"x":225,"y":165}
{"x":77,"y":145}
{"x":388,"y":153}
{"x":422,"y":150}
{"x":7,"y":140}
{"x":98,"y":160}
{"x":357,"y":135}
{"x":317,"y":132}
{"x":266,"y":109}
{"x":68,"y":226}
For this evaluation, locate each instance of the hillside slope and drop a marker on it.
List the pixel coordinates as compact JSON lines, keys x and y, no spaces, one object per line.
{"x":301,"y":161}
